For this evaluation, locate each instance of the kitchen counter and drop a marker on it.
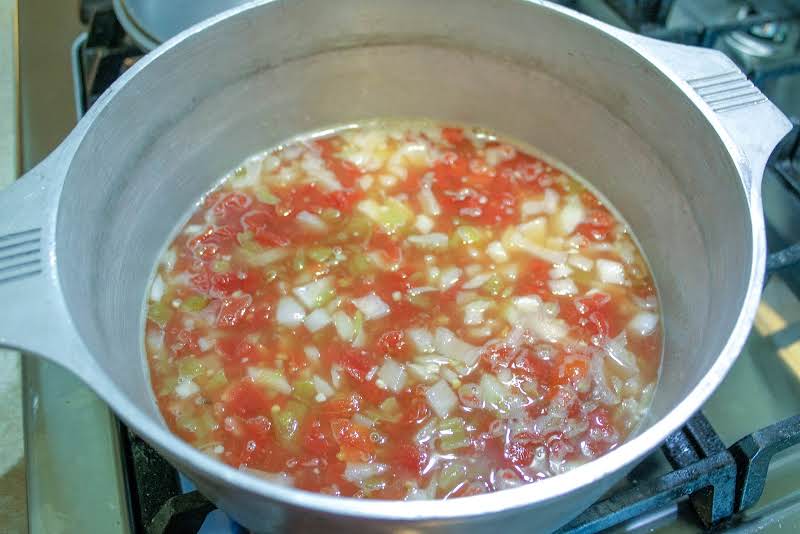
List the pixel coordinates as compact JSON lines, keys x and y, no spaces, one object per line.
{"x":13,"y":515}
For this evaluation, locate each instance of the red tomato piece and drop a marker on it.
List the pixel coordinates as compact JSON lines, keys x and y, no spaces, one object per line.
{"x":247,"y":400}
{"x":314,"y":439}
{"x":357,"y":363}
{"x":233,"y":310}
{"x":341,"y":406}
{"x":352,"y":437}
{"x":392,"y":342}
{"x":179,"y":341}
{"x":454,"y":136}
{"x":412,"y":457}
{"x":534,"y":279}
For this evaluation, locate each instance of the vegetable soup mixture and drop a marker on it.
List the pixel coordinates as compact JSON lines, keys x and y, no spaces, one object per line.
{"x":403,"y":311}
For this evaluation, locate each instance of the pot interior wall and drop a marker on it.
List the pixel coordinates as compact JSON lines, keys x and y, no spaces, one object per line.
{"x":525,"y":71}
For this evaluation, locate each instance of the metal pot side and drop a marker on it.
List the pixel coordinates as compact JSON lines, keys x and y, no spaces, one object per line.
{"x":674,"y":136}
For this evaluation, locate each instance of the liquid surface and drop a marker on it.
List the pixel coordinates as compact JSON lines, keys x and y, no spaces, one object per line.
{"x":403,"y":311}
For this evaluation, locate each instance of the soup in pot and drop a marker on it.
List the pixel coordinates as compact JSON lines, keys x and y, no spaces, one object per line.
{"x":403,"y":311}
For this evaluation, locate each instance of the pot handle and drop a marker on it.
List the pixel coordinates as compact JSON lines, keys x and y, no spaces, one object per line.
{"x":755,"y":125}
{"x":33,"y":316}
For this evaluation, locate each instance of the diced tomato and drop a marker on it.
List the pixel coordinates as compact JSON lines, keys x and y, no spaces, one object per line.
{"x":386,"y":244}
{"x":575,"y":371}
{"x":314,"y":439}
{"x":411,"y":456}
{"x":357,"y":363}
{"x":180,"y":341}
{"x":597,"y":225}
{"x":498,"y":356}
{"x":519,"y":453}
{"x":533,"y":281}
{"x":247,"y":400}
{"x":416,"y":411}
{"x":225,"y":283}
{"x":212,"y":241}
{"x":352,"y":438}
{"x":341,"y":406}
{"x":259,"y":313}
{"x":392,"y":342}
{"x":232,"y":205}
{"x":454,"y":136}
{"x":372,"y":393}
{"x":233,"y":310}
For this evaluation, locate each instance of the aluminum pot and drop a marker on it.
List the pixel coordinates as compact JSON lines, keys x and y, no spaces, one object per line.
{"x":674,"y":136}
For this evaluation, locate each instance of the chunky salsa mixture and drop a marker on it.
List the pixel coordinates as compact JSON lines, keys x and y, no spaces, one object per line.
{"x":403,"y":311}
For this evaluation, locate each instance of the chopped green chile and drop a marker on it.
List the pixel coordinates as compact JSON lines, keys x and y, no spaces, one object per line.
{"x":403,"y":310}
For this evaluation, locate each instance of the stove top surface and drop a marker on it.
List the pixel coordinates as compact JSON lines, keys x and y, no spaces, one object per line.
{"x":138,"y":491}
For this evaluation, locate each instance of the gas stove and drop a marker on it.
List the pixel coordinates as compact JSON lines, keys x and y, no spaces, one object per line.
{"x":732,"y":467}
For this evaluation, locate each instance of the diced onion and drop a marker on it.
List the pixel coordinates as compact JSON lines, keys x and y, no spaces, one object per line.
{"x":564,"y":287}
{"x":392,"y":375}
{"x":610,"y":272}
{"x":312,"y":294}
{"x":169,"y":258}
{"x":428,"y":202}
{"x":616,"y":349}
{"x":494,"y":393}
{"x":572,"y":214}
{"x":273,"y":380}
{"x":283,"y":479}
{"x":259,"y":259}
{"x":448,"y":344}
{"x":449,"y":278}
{"x":560,"y":271}
{"x":473,"y":312}
{"x":336,"y":375}
{"x":432,"y":241}
{"x":424,"y":371}
{"x":644,"y":323}
{"x":312,"y":222}
{"x":186,"y":388}
{"x":553,"y":256}
{"x":361,"y":472}
{"x":497,"y":252}
{"x":311,"y":352}
{"x":345,"y":326}
{"x":441,"y":398}
{"x":157,"y":289}
{"x":548,"y":204}
{"x":422,"y":339}
{"x":580,"y":262}
{"x":423,"y":223}
{"x":362,"y":420}
{"x":477,"y":281}
{"x":317,"y":320}
{"x":324,"y":390}
{"x":372,"y":306}
{"x":290,"y":313}
{"x":205,"y":343}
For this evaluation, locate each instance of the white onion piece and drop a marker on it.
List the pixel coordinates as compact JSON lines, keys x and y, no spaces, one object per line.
{"x":312,"y":293}
{"x":548,"y":204}
{"x":422,"y":339}
{"x":470,"y":395}
{"x":473,"y":312}
{"x":441,"y":398}
{"x":449,"y":277}
{"x":648,"y":303}
{"x":494,"y":393}
{"x":432,"y":241}
{"x":564,"y":287}
{"x":169,"y":258}
{"x":363,"y":420}
{"x":157,"y":288}
{"x":619,"y":354}
{"x":422,"y":494}
{"x":560,"y":271}
{"x":423,"y":223}
{"x":572,"y":214}
{"x":428,"y":202}
{"x":611,"y":272}
{"x":311,"y":352}
{"x":324,"y":390}
{"x":290,"y":313}
{"x":391,"y":376}
{"x":644,"y":323}
{"x":336,"y":375}
{"x":345,"y":326}
{"x":312,"y":222}
{"x":448,"y":344}
{"x":553,"y":256}
{"x":506,"y":479}
{"x":155,"y":339}
{"x":424,"y":372}
{"x":186,"y":388}
{"x":273,"y":380}
{"x":580,"y":262}
{"x":372,"y":306}
{"x":259,"y":259}
{"x":317,"y":320}
{"x":361,"y":472}
{"x":497,"y":252}
{"x":205,"y":343}
{"x":477,"y":281}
